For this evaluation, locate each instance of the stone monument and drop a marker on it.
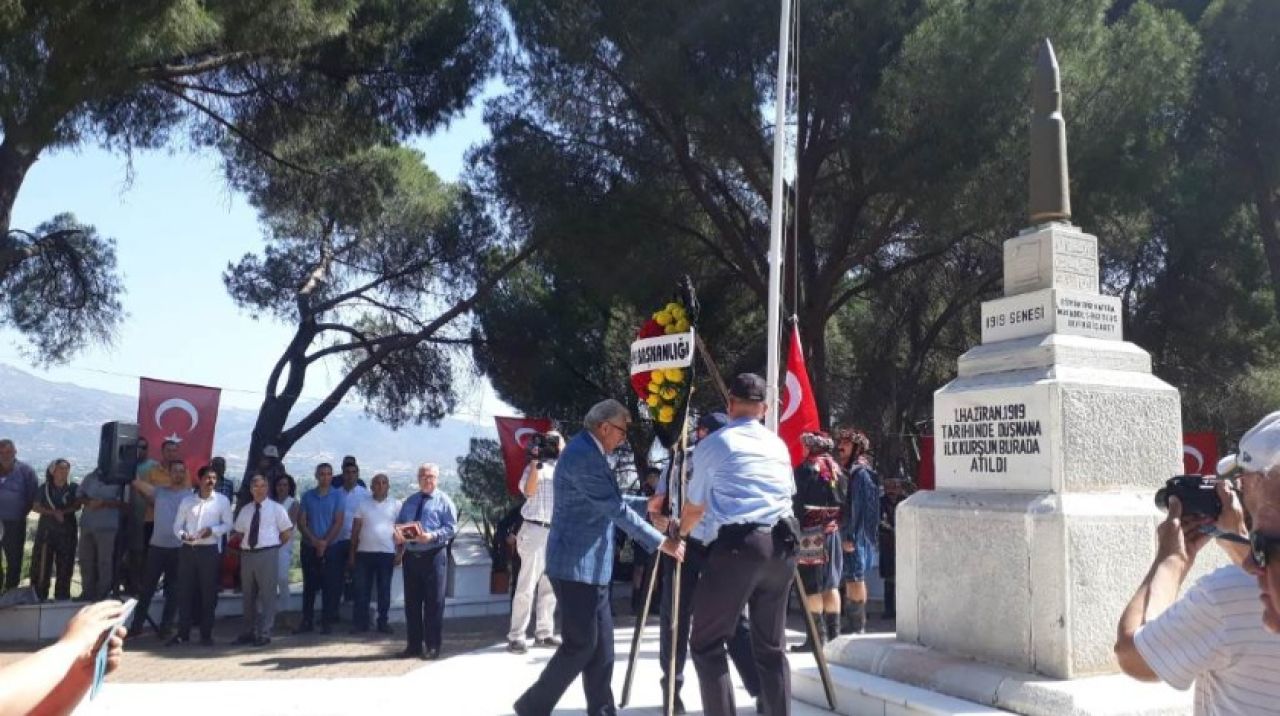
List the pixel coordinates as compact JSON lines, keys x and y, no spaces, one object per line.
{"x":1049,"y":445}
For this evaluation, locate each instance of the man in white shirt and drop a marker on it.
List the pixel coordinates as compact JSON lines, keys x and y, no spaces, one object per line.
{"x":202,"y":520}
{"x":353,"y":492}
{"x":1214,"y":636}
{"x":538,"y":485}
{"x":263,"y":526}
{"x":374,"y":553}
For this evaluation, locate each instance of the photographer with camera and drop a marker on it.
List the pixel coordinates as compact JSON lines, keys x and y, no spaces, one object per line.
{"x":1214,"y":635}
{"x":538,"y":486}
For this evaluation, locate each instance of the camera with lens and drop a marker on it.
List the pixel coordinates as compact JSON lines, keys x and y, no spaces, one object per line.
{"x":543,"y":446}
{"x":1197,"y":493}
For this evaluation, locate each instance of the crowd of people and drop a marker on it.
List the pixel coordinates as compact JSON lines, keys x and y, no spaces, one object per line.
{"x":162,"y":532}
{"x":726,"y":515}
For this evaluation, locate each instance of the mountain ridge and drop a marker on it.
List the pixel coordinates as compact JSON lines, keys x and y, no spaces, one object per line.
{"x":51,"y":419}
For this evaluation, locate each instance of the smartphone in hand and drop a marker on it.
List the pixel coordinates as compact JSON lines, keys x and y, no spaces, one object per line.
{"x":104,"y":646}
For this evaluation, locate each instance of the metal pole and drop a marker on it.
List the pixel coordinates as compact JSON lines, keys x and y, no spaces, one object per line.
{"x":669,"y":703}
{"x":775,"y":221}
{"x":636,"y":633}
{"x":818,"y":654}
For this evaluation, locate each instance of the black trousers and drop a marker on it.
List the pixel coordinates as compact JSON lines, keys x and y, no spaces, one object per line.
{"x":373,"y":569}
{"x":426,"y":574}
{"x":161,"y":562}
{"x":695,"y":558}
{"x":53,"y":557}
{"x":323,"y":576}
{"x":752,"y":569}
{"x":197,"y":588}
{"x":586,"y":632}
{"x":15,"y":538}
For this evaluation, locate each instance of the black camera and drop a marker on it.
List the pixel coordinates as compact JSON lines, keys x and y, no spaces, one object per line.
{"x":543,"y":446}
{"x":1197,"y":493}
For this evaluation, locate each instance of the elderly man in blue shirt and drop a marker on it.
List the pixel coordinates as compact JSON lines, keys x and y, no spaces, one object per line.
{"x":426,"y":563}
{"x":740,"y":494}
{"x":588,"y":505}
{"x":17,"y":495}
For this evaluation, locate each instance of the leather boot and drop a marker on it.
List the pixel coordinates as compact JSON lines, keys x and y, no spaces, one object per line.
{"x":832,"y":621}
{"x":846,"y":615}
{"x":807,"y":645}
{"x":859,"y":617}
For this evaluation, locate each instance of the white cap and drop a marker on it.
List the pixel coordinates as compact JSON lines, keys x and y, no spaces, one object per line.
{"x":270,"y":451}
{"x":1259,"y":448}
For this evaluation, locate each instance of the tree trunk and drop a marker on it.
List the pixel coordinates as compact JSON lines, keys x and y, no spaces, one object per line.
{"x":1269,"y":228}
{"x":15,"y":160}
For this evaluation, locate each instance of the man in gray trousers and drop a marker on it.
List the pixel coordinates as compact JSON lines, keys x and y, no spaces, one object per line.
{"x":98,"y":527}
{"x":263,"y":526}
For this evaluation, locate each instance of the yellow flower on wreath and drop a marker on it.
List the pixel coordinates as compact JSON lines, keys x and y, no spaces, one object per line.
{"x":666,"y":414}
{"x":664,"y":318}
{"x":653,"y":400}
{"x":668,"y":393}
{"x":658,"y":377}
{"x":654,"y":387}
{"x":673,"y":375}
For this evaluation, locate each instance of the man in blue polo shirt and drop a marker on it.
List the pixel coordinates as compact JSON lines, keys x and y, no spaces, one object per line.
{"x":426,"y":563}
{"x":323,"y":558}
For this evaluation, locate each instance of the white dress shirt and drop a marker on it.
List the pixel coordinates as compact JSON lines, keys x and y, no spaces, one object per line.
{"x":377,"y":520}
{"x":273,"y":522}
{"x":196,"y":513}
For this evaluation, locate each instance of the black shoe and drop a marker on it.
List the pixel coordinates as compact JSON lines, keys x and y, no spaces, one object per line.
{"x":359,"y":629}
{"x":803,"y":648}
{"x":244,"y":639}
{"x":304,"y":628}
{"x":206,"y":641}
{"x":385,"y":628}
{"x":550,"y":642}
{"x":431,"y":655}
{"x":262,"y":641}
{"x":678,"y":706}
{"x":517,"y":646}
{"x":411,"y":654}
{"x":178,"y":640}
{"x":326,"y":629}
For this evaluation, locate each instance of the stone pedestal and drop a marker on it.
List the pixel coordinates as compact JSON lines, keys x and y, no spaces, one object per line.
{"x":1049,"y":446}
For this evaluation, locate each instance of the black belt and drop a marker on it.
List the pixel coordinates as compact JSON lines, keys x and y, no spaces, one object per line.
{"x":259,"y":549}
{"x":540,"y":523}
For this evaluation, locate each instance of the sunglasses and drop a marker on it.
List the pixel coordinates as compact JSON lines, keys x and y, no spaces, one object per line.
{"x":1260,"y":546}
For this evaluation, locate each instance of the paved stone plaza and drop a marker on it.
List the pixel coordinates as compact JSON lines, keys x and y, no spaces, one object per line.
{"x":344,"y":673}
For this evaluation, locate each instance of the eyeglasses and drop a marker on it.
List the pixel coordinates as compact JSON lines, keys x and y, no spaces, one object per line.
{"x":620,"y":428}
{"x":1260,"y":546}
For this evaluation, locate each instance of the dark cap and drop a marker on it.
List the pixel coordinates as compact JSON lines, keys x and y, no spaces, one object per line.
{"x":712,"y":422}
{"x":748,"y":386}
{"x":349,"y":460}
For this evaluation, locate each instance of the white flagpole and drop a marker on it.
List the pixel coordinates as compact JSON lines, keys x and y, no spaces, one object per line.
{"x":775,"y":221}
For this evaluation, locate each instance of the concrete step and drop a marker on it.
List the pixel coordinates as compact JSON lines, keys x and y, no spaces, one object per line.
{"x":859,"y":694}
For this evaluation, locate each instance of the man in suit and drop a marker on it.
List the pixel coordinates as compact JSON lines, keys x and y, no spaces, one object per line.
{"x":588,"y":505}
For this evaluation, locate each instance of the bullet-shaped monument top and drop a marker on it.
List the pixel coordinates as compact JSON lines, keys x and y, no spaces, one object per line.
{"x":1050,"y":190}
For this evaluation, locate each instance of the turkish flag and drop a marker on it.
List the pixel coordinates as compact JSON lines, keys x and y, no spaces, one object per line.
{"x":513,"y":434}
{"x":1199,"y":453}
{"x":925,"y":470}
{"x":185,"y":413}
{"x":800,"y":411}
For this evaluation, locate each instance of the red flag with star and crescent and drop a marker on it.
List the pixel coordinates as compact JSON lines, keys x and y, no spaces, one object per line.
{"x":513,"y":435}
{"x":799,"y":409}
{"x":185,"y":413}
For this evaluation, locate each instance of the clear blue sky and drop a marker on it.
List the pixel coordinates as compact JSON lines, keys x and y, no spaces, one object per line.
{"x":177,"y":224}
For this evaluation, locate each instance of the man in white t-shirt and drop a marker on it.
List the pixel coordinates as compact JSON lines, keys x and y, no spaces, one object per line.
{"x":538,"y":486}
{"x":373,"y":553}
{"x":353,"y":492}
{"x":1214,"y":636}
